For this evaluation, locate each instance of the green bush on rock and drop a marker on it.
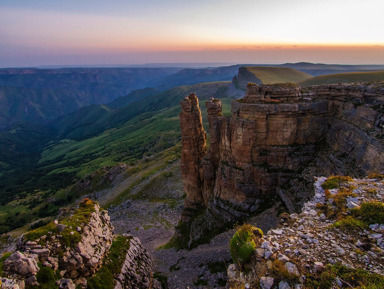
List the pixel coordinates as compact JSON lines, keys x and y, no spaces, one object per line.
{"x":243,"y":243}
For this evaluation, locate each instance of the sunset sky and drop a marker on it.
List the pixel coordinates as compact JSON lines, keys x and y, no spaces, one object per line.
{"x":118,"y":32}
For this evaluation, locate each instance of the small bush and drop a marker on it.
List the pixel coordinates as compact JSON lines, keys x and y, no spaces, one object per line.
{"x":350,"y":224}
{"x":243,"y":245}
{"x":370,"y":212}
{"x":334,"y":182}
{"x":46,"y":278}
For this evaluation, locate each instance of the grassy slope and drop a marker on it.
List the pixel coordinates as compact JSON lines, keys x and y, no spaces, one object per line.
{"x":344,"y":78}
{"x":270,"y":75}
{"x":155,"y":131}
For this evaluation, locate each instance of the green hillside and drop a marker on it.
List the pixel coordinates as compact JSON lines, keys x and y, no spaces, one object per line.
{"x":270,"y":75}
{"x":125,"y":135}
{"x":349,"y":77}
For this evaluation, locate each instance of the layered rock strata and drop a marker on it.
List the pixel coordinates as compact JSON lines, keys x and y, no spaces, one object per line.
{"x":193,"y":139}
{"x":277,"y":137}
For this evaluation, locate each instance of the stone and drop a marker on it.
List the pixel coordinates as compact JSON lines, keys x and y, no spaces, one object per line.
{"x":292,"y":269}
{"x":282,"y":258}
{"x":284,"y":285}
{"x":268,"y":254}
{"x":266,"y":282}
{"x":318,"y":267}
{"x":61,"y":227}
{"x":20,"y":264}
{"x":260,"y":252}
{"x":340,"y":251}
{"x":66,"y":284}
{"x":42,"y":253}
{"x":9,"y":284}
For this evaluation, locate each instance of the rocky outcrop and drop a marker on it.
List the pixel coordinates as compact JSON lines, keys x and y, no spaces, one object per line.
{"x":136,"y":271}
{"x":304,"y":244}
{"x":277,"y":138}
{"x":78,"y":247}
{"x":193,"y":139}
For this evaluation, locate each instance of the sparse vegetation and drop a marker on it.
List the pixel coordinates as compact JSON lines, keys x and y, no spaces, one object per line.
{"x":351,"y":278}
{"x":104,"y":278}
{"x":281,"y":273}
{"x":335,"y":206}
{"x":334,"y":182}
{"x":376,"y":176}
{"x":2,"y":259}
{"x":70,"y":236}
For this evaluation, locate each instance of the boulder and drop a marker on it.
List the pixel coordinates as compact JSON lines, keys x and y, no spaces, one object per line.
{"x":21,"y":265}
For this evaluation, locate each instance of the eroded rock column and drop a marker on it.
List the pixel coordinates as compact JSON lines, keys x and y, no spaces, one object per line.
{"x":193,"y":138}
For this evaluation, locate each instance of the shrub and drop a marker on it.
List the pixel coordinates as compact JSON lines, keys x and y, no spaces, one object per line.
{"x":46,"y":278}
{"x":370,"y":212}
{"x":333,"y":182}
{"x":350,"y":224}
{"x":243,"y":245}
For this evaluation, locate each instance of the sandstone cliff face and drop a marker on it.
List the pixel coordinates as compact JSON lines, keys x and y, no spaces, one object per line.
{"x":277,"y":137}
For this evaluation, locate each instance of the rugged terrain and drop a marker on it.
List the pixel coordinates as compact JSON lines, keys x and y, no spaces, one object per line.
{"x":80,"y":249}
{"x":327,"y":245}
{"x":277,"y":138}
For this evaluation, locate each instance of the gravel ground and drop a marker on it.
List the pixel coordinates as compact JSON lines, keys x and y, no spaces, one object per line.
{"x":202,"y":267}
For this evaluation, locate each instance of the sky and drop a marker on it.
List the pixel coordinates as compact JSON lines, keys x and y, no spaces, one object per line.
{"x":124,"y":32}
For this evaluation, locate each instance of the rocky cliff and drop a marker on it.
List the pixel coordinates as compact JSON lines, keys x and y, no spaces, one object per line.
{"x":276,"y":139}
{"x":80,"y":250}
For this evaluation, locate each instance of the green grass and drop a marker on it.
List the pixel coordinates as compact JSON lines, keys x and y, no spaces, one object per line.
{"x":349,"y":77}
{"x":70,"y":235}
{"x":112,"y":264}
{"x":351,"y":278}
{"x":271,"y":75}
{"x":46,"y":278}
{"x":350,"y":224}
{"x":334,"y":182}
{"x":141,"y":130}
{"x":370,"y":213}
